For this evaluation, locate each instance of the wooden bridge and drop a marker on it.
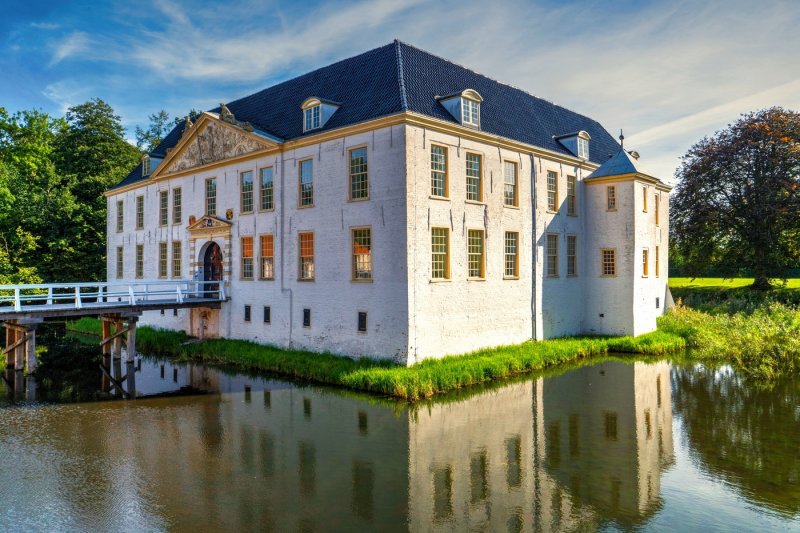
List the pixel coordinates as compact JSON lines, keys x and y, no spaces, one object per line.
{"x":117,"y":304}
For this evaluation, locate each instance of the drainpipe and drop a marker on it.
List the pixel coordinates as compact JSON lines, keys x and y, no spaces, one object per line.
{"x":535,"y":246}
{"x":284,"y":289}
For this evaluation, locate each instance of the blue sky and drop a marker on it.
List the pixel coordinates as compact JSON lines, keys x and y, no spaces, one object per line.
{"x":667,"y":72}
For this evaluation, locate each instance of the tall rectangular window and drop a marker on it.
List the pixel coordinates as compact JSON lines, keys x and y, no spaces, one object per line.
{"x":572,"y":255}
{"x":163,"y":208}
{"x":510,"y":183}
{"x":246,"y":192}
{"x":657,"y":207}
{"x":359,"y":180}
{"x":162,"y":260}
{"x":211,"y":196}
{"x":177,"y":205}
{"x":176,"y":259}
{"x":120,"y":262}
{"x":572,"y":204}
{"x":552,"y":191}
{"x":267,"y":314}
{"x":511,"y":254}
{"x":247,"y":313}
{"x":644,"y":199}
{"x":475,"y":251}
{"x":611,"y":198}
{"x":658,"y":265}
{"x":608,"y":258}
{"x":140,"y":260}
{"x":247,"y":258}
{"x":474,"y":178}
{"x":439,"y":171}
{"x":306,"y":318}
{"x":140,"y":212}
{"x":307,"y":183}
{"x":307,"y":256}
{"x":362,"y":254}
{"x":552,"y":255}
{"x":120,"y":216}
{"x":440,"y":253}
{"x":267,"y":191}
{"x":362,"y":322}
{"x":645,"y":262}
{"x":267,"y":257}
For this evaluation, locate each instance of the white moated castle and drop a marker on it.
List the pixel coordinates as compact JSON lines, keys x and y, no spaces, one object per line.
{"x":396,"y":205}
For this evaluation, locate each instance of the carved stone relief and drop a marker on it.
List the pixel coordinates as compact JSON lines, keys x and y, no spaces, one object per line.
{"x":214,"y":143}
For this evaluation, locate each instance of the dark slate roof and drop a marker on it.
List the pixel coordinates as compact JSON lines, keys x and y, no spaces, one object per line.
{"x":398,"y":77}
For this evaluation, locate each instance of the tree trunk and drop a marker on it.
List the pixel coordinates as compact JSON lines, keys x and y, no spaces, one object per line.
{"x":761,"y":283}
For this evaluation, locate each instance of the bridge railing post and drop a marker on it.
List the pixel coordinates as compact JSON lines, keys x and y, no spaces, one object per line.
{"x":49,"y":295}
{"x":131,"y":295}
{"x":78,"y":303}
{"x":17,"y":303}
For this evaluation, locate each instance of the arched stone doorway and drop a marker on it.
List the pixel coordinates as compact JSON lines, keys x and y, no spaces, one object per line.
{"x":212,"y":268}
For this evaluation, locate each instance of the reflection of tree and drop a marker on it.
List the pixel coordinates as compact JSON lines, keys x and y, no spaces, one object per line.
{"x":746,"y":436}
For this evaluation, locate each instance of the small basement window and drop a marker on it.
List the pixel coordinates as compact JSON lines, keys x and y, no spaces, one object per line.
{"x":247,"y":313}
{"x":306,"y":318}
{"x":362,"y":321}
{"x":267,"y":314}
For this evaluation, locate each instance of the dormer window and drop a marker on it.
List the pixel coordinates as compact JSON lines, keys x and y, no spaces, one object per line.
{"x":465,"y":107}
{"x":316,"y":112}
{"x":577,"y":143}
{"x":470,"y":112}
{"x":583,"y":148}
{"x":312,"y":118}
{"x":145,"y":165}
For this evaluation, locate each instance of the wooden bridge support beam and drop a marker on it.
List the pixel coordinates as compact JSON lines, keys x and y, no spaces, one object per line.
{"x":131,"y":356}
{"x":11,"y":338}
{"x":117,"y":343}
{"x":20,"y":346}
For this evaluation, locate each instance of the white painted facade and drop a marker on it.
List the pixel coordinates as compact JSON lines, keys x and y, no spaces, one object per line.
{"x":410,"y":316}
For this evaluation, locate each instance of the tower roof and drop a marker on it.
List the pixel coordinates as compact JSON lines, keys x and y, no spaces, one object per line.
{"x":620,"y":163}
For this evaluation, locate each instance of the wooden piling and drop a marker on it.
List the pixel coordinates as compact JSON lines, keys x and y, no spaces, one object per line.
{"x":30,"y":349}
{"x":19,"y":351}
{"x":131,"y":355}
{"x":11,"y":338}
{"x":117,"y":344}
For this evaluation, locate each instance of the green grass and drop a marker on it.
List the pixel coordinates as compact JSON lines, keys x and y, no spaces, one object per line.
{"x":722,"y":283}
{"x":422,"y":380}
{"x":720,"y":296}
{"x":762,"y":343}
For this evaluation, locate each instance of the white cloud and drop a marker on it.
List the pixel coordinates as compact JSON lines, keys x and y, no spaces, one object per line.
{"x":75,"y":43}
{"x":665,"y":71}
{"x":67,"y":93}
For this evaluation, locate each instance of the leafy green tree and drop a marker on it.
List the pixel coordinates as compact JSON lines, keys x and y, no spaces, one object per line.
{"x":738,"y":200}
{"x":90,"y":155}
{"x":160,"y":125}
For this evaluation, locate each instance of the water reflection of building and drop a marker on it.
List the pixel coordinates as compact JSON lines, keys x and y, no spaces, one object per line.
{"x":565,"y":452}
{"x":603,"y":437}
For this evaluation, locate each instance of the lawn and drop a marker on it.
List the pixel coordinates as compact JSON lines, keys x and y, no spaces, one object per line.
{"x":721,"y":283}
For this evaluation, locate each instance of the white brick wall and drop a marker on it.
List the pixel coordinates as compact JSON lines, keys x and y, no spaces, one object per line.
{"x":411,"y":317}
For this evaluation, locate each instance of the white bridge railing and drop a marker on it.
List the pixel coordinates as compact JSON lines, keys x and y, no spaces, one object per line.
{"x":19,"y":298}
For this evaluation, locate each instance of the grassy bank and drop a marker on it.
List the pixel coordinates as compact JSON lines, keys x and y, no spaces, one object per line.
{"x":762,"y":342}
{"x":422,"y":380}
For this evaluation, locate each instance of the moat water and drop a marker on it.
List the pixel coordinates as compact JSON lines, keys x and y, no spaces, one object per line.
{"x":612,"y":445}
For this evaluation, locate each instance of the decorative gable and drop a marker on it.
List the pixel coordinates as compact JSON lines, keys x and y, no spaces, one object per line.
{"x":213,"y":139}
{"x":207,"y":225}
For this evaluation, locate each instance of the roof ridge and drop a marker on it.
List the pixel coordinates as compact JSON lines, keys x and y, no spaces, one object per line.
{"x":400,"y":76}
{"x":524,"y":91}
